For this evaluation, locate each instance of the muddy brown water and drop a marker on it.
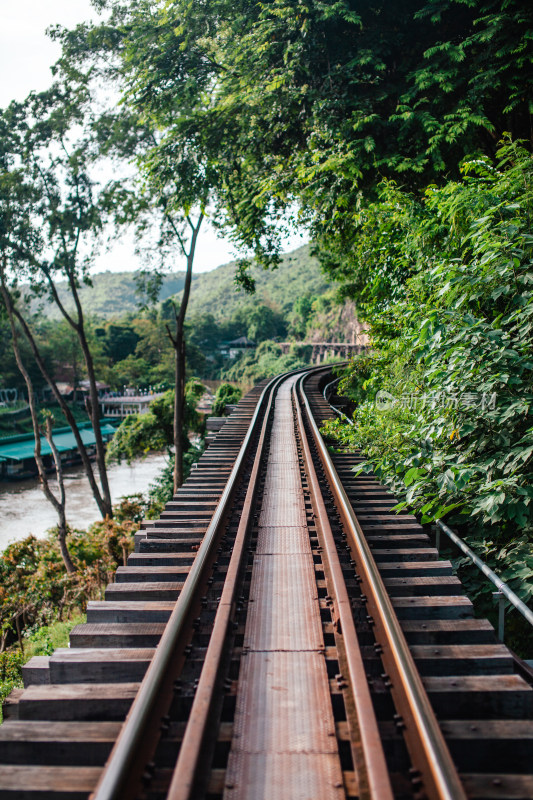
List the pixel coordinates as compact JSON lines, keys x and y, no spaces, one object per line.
{"x":24,"y":508}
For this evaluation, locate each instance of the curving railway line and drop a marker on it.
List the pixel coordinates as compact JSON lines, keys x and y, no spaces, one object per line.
{"x":281,"y":633}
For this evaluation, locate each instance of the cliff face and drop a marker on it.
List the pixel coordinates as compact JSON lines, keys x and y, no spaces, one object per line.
{"x":338,"y":324}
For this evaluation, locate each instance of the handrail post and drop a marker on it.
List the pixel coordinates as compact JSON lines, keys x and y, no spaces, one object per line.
{"x":437,"y":539}
{"x":500,"y":598}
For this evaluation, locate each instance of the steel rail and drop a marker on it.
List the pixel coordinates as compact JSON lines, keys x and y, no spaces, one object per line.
{"x":428,"y":750}
{"x":185,"y":778}
{"x":375,"y":765}
{"x":139,"y":735}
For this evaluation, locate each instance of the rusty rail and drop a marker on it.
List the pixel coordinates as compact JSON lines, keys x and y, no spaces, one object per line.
{"x":137,"y":741}
{"x":262,"y":644}
{"x":139,"y":735}
{"x":185,"y":776}
{"x":427,"y":749}
{"x":377,"y":775}
{"x":136,"y":744}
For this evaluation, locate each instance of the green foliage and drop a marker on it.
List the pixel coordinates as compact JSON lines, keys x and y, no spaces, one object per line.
{"x":162,"y":488}
{"x":135,"y":371}
{"x":349,"y":118}
{"x":134,"y":350}
{"x":297,"y":274}
{"x":387,"y":242}
{"x":226,"y":395}
{"x":41,"y":641}
{"x":138,"y":434}
{"x":301,"y":314}
{"x":35,"y":590}
{"x":111,"y":295}
{"x":10,"y":376}
{"x":11,"y":662}
{"x":47,"y":638}
{"x":265,"y":362}
{"x":455,"y":354}
{"x":120,"y":342}
{"x":314,"y":101}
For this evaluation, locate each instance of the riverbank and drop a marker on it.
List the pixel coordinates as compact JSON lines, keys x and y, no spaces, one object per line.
{"x":39,"y":601}
{"x":37,"y":595}
{"x":36,"y":590}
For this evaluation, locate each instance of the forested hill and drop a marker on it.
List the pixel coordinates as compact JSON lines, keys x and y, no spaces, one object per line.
{"x":298,"y":274}
{"x":113,"y":294}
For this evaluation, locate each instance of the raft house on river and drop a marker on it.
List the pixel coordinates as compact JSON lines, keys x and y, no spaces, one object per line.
{"x":17,"y":459}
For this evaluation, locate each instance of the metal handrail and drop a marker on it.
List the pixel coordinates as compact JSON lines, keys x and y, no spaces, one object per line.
{"x":503,"y":589}
{"x":335,"y":409}
{"x":426,"y":744}
{"x":326,"y":387}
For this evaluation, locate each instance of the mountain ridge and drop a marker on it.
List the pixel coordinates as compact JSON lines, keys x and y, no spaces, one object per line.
{"x":113,"y":295}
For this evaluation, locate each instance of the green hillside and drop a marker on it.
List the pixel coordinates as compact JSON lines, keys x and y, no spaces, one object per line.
{"x":299,"y":273}
{"x":113,"y":293}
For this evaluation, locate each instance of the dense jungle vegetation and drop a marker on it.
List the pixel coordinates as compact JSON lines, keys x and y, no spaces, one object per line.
{"x":444,"y":398}
{"x":398,"y":135}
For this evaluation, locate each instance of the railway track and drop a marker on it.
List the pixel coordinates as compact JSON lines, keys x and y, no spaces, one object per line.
{"x":278,"y":633}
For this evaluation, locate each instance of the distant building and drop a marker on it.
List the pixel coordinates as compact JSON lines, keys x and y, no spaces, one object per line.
{"x":236,"y":346}
{"x":114,"y":405}
{"x":66,"y":389}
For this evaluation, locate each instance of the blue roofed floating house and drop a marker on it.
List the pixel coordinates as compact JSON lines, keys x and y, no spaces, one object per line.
{"x":17,"y":459}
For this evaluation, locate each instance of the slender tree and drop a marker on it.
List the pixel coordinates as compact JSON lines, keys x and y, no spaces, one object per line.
{"x":177,"y":337}
{"x":58,"y":502}
{"x":188,"y":169}
{"x":167,"y":210}
{"x":170,"y":189}
{"x":50,"y":216}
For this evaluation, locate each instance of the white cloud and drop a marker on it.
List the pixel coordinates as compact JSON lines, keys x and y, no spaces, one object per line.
{"x":26,"y":52}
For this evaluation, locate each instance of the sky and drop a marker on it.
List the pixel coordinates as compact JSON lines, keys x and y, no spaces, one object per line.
{"x":26,"y":55}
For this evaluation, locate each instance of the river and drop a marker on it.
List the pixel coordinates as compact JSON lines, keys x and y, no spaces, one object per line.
{"x":24,"y":509}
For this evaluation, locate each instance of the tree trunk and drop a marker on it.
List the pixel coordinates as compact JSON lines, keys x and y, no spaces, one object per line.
{"x":19,"y":633}
{"x":94,"y":410}
{"x":59,"y":505}
{"x":62,"y":531}
{"x":100,"y":501}
{"x":62,"y":528}
{"x":179,"y":407}
{"x":78,"y":325}
{"x":95,"y":419}
{"x":178,"y":341}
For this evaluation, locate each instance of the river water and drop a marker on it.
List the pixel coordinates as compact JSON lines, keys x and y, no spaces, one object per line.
{"x":24,"y":509}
